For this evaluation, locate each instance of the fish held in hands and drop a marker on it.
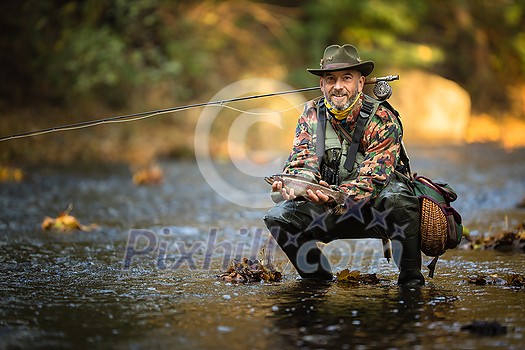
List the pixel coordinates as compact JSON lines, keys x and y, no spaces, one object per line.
{"x":301,"y":185}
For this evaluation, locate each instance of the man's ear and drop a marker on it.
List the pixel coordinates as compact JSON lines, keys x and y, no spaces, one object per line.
{"x":361,"y":82}
{"x":321,"y":84}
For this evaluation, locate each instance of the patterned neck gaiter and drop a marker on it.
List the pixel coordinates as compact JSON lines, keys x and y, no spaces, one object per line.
{"x":340,"y":115}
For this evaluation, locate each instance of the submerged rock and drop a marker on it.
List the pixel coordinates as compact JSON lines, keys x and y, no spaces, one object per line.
{"x":513,"y":280}
{"x":508,"y":240}
{"x":489,"y":328}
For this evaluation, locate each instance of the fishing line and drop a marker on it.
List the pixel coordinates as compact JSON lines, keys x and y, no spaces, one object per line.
{"x":261,"y":113}
{"x":132,"y":119}
{"x":220,"y":103}
{"x":150,"y":114}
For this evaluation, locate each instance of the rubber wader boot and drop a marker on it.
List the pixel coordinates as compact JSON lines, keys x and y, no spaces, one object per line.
{"x":403,"y":207}
{"x":317,"y":265}
{"x":410,"y":264}
{"x":306,"y":257}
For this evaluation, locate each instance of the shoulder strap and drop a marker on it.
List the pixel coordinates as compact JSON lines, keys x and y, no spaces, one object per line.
{"x":320,"y":131}
{"x":364,"y":114}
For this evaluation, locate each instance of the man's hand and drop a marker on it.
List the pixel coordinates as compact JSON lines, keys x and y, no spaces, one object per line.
{"x":277,"y":186}
{"x":318,"y":197}
{"x":315,"y":197}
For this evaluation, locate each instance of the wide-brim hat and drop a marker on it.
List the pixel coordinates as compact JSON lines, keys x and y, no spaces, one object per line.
{"x":344,"y":57}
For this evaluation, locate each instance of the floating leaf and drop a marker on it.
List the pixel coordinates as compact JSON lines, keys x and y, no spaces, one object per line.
{"x":8,"y":174}
{"x":355,"y":277}
{"x":152,"y":175}
{"x":64,"y":222}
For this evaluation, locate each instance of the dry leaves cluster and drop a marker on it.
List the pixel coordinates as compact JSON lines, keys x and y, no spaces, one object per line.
{"x":248,"y":271}
{"x":512,"y":280}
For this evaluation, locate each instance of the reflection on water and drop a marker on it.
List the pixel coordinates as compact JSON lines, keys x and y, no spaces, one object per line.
{"x":71,"y":290}
{"x":348,"y":317}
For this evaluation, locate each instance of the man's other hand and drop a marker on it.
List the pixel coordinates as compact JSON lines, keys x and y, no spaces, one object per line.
{"x":318,"y":196}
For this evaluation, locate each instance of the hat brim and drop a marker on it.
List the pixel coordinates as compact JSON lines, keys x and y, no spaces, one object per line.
{"x":364,"y":68}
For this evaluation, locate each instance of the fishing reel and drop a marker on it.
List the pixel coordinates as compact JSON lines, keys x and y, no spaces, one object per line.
{"x":382,"y":88}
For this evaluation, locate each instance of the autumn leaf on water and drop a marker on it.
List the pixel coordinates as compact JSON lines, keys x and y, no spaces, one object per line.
{"x":356,"y":277}
{"x":9,"y":174}
{"x":65,"y":222}
{"x":152,"y":175}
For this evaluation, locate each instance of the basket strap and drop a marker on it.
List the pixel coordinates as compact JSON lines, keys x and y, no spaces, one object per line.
{"x":434,"y":186}
{"x":442,"y":188}
{"x":432,"y":267}
{"x":428,"y":182}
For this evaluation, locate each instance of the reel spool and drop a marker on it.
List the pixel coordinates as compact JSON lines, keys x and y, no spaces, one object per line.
{"x":382,"y":90}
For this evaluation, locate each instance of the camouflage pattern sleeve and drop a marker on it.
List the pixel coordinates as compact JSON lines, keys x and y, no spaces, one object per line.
{"x":381,"y":142}
{"x":302,"y":160}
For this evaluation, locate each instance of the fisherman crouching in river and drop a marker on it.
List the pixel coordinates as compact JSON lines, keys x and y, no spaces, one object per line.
{"x":351,"y":144}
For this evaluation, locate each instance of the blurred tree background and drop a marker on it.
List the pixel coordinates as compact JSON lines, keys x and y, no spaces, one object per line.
{"x":71,"y":60}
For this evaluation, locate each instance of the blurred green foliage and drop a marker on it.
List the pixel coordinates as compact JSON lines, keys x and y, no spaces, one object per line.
{"x":65,"y":51}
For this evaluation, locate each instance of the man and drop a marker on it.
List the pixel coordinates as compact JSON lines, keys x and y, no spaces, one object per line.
{"x":368,"y":168}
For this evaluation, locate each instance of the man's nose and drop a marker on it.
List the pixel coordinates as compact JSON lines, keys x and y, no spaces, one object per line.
{"x":338,"y":84}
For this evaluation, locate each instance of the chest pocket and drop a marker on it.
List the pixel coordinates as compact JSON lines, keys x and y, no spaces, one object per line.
{"x":335,"y":153}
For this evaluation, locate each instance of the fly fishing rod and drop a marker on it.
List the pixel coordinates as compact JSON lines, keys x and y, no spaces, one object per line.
{"x":143,"y":115}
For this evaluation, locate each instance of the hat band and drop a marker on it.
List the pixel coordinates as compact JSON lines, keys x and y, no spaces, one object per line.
{"x":337,"y":65}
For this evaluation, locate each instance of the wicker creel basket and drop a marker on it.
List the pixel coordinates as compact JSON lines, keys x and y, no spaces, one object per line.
{"x":433,"y":228}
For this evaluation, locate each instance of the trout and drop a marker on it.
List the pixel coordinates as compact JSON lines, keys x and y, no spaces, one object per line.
{"x":300,"y":185}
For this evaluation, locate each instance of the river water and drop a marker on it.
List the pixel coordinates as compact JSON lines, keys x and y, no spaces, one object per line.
{"x":146,"y":276}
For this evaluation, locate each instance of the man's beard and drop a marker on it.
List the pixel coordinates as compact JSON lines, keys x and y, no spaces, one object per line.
{"x":348,"y":103}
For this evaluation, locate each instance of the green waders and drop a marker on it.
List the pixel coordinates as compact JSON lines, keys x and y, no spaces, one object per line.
{"x":298,"y":225}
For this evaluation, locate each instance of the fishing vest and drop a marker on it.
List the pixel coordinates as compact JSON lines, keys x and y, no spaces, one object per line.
{"x":340,"y":157}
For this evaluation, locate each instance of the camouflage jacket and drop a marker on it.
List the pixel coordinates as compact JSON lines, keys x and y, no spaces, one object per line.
{"x":380,"y":143}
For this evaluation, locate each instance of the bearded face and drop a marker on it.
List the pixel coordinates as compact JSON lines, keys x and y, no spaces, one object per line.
{"x":341,"y":88}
